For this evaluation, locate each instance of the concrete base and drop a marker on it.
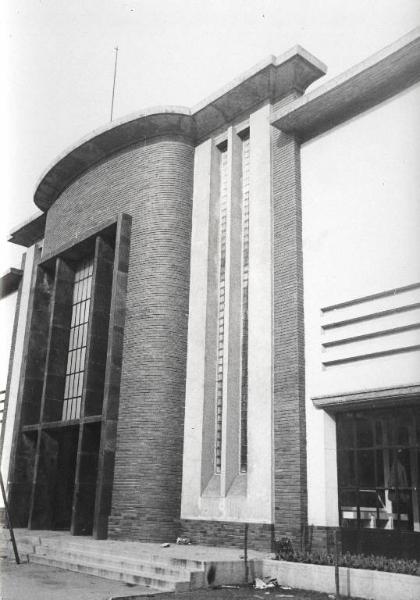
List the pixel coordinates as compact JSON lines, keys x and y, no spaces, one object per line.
{"x":360,"y":583}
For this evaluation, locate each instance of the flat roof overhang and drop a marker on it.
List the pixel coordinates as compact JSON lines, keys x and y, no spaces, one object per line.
{"x":272,"y":78}
{"x":29,"y":232}
{"x":9,"y":282}
{"x":383,"y":75}
{"x":376,"y":398}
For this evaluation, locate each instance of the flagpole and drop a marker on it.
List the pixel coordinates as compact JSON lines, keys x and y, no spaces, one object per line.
{"x":115,"y":78}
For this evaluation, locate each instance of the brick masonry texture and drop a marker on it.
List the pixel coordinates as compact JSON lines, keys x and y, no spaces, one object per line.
{"x":228,"y":533}
{"x":152,"y":182}
{"x":288,"y":343}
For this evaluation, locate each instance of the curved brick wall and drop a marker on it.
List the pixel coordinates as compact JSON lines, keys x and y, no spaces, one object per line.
{"x":153,"y":183}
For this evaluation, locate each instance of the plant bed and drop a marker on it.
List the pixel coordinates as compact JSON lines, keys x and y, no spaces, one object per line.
{"x":354,"y":561}
{"x":360,"y":582}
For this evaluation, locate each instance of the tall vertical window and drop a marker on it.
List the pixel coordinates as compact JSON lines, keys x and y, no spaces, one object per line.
{"x":221,"y":304}
{"x":78,"y":340}
{"x":245,"y":282}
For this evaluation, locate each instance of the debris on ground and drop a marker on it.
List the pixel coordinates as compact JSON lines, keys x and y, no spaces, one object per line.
{"x":165,"y":545}
{"x":183,"y":541}
{"x":263,"y":584}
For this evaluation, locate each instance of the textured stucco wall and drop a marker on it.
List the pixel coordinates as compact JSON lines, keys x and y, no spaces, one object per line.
{"x":361,"y":219}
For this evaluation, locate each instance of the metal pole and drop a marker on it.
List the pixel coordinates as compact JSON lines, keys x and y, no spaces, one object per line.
{"x":246,"y":552}
{"x":115,"y":78}
{"x":336,"y":567}
{"x":9,"y":522}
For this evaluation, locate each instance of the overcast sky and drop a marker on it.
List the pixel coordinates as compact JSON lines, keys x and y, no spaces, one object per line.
{"x":57,"y":61}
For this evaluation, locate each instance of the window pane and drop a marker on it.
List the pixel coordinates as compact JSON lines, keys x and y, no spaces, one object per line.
{"x":366,"y":468}
{"x":364,"y":433}
{"x":346,"y":468}
{"x":345,"y":431}
{"x":77,"y":341}
{"x":348,"y":508}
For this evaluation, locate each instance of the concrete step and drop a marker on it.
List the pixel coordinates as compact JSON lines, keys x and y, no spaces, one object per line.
{"x":124,"y":563}
{"x":100,"y":570}
{"x":106,"y":549}
{"x":24,"y":546}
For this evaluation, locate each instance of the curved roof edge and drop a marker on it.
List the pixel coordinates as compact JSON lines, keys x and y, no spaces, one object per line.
{"x":272,"y":78}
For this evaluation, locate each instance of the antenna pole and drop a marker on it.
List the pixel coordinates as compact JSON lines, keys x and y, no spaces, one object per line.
{"x":115,"y":77}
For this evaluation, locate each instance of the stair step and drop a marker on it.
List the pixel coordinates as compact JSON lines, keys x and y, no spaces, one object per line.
{"x":123,"y":563}
{"x":139,"y":553}
{"x":127,"y":576}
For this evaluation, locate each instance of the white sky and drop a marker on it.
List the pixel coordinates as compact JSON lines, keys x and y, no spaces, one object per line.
{"x":57,"y":66}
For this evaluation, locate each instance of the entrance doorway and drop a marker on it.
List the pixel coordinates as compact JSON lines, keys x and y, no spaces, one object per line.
{"x":62,"y":496}
{"x":64,"y":481}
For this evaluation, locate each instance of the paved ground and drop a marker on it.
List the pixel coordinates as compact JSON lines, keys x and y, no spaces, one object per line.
{"x":36,"y":582}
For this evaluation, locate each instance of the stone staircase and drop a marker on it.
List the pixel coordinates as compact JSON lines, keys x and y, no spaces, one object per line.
{"x":138,"y":568}
{"x":176,"y":568}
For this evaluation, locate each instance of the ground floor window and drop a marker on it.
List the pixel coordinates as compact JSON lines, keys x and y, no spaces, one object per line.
{"x":378,"y":468}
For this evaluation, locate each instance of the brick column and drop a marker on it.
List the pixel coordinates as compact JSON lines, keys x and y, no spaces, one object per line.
{"x":290,"y":495}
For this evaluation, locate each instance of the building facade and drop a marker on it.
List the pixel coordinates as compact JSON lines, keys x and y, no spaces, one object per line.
{"x":218,"y":325}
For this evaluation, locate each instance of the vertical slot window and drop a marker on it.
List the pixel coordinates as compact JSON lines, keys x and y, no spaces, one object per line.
{"x":76,"y":357}
{"x":221,"y":304}
{"x":244,"y":291}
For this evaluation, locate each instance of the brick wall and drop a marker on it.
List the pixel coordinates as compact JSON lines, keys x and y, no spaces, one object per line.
{"x":288,"y":343}
{"x":153,"y":183}
{"x":228,"y":533}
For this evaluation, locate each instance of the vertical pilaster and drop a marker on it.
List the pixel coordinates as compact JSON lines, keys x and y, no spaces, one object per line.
{"x":93,"y":390}
{"x":58,"y":341}
{"x":36,"y":351}
{"x":112,"y":379}
{"x":46,"y":456}
{"x":232,"y":389}
{"x":290,"y":495}
{"x":205,"y":257}
{"x":22,"y":455}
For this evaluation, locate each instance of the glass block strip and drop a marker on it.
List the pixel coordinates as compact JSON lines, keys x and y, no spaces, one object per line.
{"x":221,"y":307}
{"x":245,"y":283}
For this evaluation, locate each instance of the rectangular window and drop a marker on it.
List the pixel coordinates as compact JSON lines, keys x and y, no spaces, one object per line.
{"x":378,"y":469}
{"x":78,"y":340}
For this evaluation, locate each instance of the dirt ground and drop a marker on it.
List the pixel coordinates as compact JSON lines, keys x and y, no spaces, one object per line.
{"x":29,"y":581}
{"x":248,"y":593}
